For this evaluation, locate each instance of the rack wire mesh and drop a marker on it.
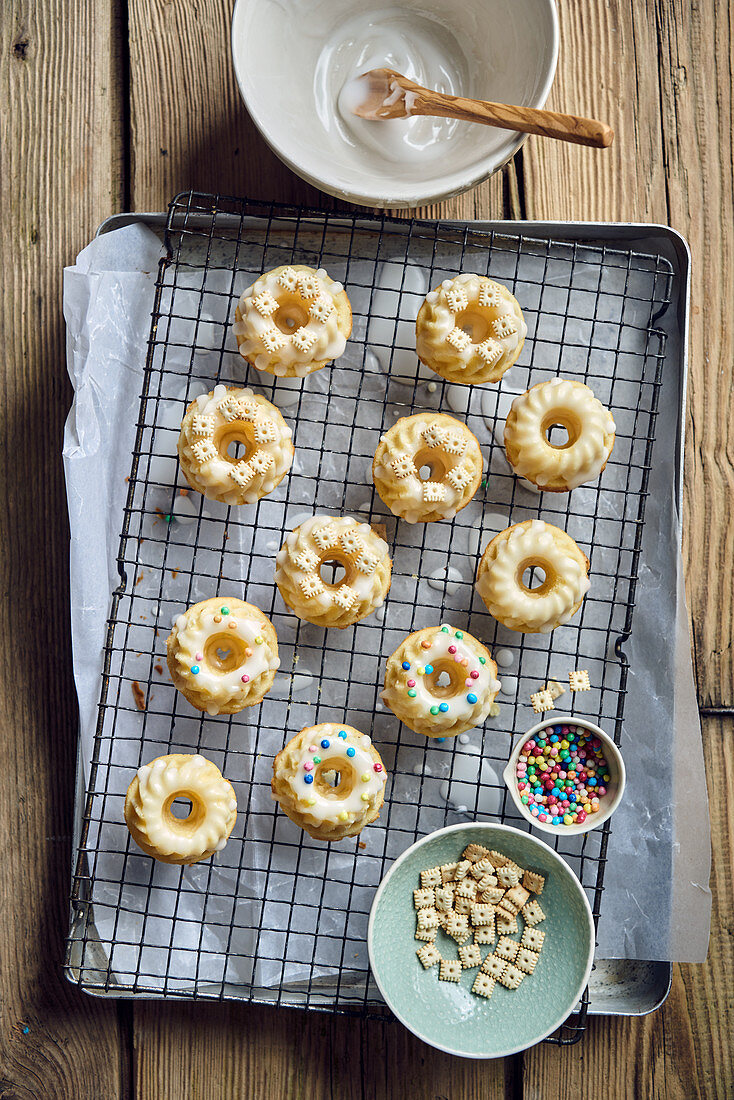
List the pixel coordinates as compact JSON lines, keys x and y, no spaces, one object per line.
{"x":276,"y":917}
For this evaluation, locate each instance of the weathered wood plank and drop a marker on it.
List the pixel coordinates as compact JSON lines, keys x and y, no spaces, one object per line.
{"x":698,"y":88}
{"x":264,"y":1053}
{"x":61,"y":170}
{"x":684,"y":1049}
{"x":661,"y":74}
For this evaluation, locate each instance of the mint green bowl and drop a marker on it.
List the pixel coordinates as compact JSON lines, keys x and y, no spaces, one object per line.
{"x":449,"y":1016}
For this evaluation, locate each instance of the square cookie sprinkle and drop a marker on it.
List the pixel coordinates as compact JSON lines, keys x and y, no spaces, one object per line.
{"x":484,"y":898}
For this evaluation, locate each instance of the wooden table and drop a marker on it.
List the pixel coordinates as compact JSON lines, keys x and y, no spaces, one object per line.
{"x":109,"y":107}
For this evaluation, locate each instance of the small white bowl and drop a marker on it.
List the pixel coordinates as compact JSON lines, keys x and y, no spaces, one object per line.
{"x":607,"y":804}
{"x":290,"y":61}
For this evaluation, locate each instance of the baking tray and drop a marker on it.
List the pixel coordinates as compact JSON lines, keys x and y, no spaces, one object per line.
{"x":209,"y":234}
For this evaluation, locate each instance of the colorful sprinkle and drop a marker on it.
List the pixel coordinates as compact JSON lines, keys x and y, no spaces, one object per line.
{"x":412,"y":693}
{"x":440,"y":740}
{"x":559,"y":774}
{"x":317,"y":759}
{"x":232,"y":624}
{"x":248,"y":651}
{"x":411,"y":683}
{"x":312,"y":748}
{"x":195,"y":669}
{"x":308,"y":766}
{"x":406,"y":665}
{"x":474,"y":674}
{"x":217,"y":618}
{"x":482,"y":660}
{"x":311,"y":801}
{"x":458,"y":634}
{"x":342,"y":734}
{"x":245,"y":679}
{"x":200,"y":656}
{"x":325,"y":743}
{"x":426,"y":644}
{"x":471,"y":697}
{"x":258,"y":640}
{"x":308,"y":779}
{"x":434,"y":710}
{"x":452,"y":649}
{"x":444,"y":630}
{"x":443,"y":707}
{"x":351,"y":750}
{"x":365,"y":777}
{"x":224,"y":610}
{"x":365,"y":797}
{"x":429,"y":669}
{"x":377,"y":767}
{"x":344,"y":816}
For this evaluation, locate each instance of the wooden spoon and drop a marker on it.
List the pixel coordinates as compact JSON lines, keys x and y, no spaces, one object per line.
{"x":388,"y":94}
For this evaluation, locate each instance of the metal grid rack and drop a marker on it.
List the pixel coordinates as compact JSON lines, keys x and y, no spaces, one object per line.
{"x":262,"y":920}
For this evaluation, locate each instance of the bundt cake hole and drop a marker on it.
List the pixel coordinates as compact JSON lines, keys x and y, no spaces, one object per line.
{"x":334,"y":780}
{"x":235,"y":441}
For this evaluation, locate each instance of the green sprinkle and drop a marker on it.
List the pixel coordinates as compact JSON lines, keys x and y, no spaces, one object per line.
{"x":444,"y":630}
{"x":484,"y":483}
{"x":412,"y":693}
{"x":482,"y":660}
{"x":317,"y":759}
{"x":434,"y":710}
{"x":224,"y":610}
{"x":458,"y":634}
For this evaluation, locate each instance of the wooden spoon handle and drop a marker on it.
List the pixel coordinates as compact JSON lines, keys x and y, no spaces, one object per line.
{"x":528,"y":120}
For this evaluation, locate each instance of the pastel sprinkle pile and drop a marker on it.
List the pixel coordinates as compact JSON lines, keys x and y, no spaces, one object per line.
{"x":562,"y":775}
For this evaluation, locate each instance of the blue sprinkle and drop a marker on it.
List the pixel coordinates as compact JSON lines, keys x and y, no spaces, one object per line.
{"x":556,"y":821}
{"x":406,"y":665}
{"x":471,"y":697}
{"x":443,"y":706}
{"x":429,"y":669}
{"x":440,"y":740}
{"x":343,"y":734}
{"x":325,"y":743}
{"x":195,"y":669}
{"x":351,"y":750}
{"x":308,"y":779}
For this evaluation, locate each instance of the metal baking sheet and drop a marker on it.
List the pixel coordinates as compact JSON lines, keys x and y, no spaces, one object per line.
{"x":637,"y":987}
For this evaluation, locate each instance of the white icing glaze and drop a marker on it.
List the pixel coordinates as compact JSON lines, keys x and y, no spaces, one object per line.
{"x":197,"y":778}
{"x":316,"y":337}
{"x":326,"y":538}
{"x":473,"y":302}
{"x":244,"y":633}
{"x":513,"y":604}
{"x":591,"y":431}
{"x":221,"y":416}
{"x":458,"y":464}
{"x":468,"y":705}
{"x":367,"y":783}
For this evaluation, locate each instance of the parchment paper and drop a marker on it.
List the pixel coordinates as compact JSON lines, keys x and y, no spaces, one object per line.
{"x":656,"y":899}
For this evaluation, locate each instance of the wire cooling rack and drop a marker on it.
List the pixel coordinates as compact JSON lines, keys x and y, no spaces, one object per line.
{"x":277,"y":917}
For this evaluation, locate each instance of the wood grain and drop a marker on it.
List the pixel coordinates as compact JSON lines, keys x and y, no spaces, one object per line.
{"x":685,"y":1049}
{"x":61,"y":174}
{"x":661,"y":73}
{"x":696,"y":104}
{"x":264,"y":1053}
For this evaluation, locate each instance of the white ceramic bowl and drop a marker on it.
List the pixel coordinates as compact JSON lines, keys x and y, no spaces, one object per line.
{"x":607,"y":804}
{"x":508,"y":51}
